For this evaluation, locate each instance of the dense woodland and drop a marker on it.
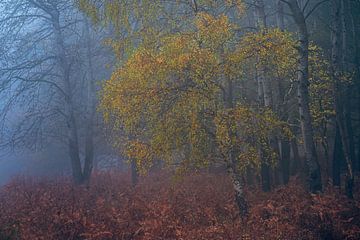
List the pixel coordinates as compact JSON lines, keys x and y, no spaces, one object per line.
{"x":231,"y":119}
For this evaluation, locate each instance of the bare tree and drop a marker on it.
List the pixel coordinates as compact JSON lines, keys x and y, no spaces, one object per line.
{"x":48,"y":69}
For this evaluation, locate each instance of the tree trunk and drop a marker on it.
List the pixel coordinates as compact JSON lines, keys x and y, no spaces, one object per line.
{"x":285,"y":160}
{"x":285,"y":148}
{"x":349,"y":125}
{"x":336,"y":59}
{"x":265,"y":177}
{"x":239,"y":191}
{"x":280,"y":19}
{"x":265,"y":171}
{"x":338,"y":157}
{"x":69,"y":105}
{"x":231,"y":158}
{"x":296,"y":162}
{"x":315,"y":183}
{"x":265,"y":97}
{"x":260,"y":14}
{"x":91,"y":99}
{"x":344,"y":9}
{"x":134,"y":173}
{"x":356,"y":59}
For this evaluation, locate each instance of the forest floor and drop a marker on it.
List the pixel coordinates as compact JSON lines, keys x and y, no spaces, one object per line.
{"x":199,"y":206}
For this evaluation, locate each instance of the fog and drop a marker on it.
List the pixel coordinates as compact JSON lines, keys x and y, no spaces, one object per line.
{"x":49,"y":163}
{"x":52,"y":63}
{"x":179,"y":119}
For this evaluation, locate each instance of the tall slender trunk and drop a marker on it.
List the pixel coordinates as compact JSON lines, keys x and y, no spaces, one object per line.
{"x":238,"y":183}
{"x":265,"y":168}
{"x":64,"y":65}
{"x":134,"y":173}
{"x":315,"y":183}
{"x":239,"y":190}
{"x":325,"y":145}
{"x":282,"y":109}
{"x":349,"y":124}
{"x":264,"y":95}
{"x":344,"y":10}
{"x":285,"y":160}
{"x":280,"y":19}
{"x":336,"y":59}
{"x":260,"y":14}
{"x":338,"y":157}
{"x":91,"y":104}
{"x":356,"y":59}
{"x":296,"y":163}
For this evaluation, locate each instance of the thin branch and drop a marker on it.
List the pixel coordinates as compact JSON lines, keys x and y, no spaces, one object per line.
{"x":43,"y":81}
{"x":315,"y":7}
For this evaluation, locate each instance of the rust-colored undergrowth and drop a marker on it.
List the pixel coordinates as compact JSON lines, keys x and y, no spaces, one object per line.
{"x":200,"y":206}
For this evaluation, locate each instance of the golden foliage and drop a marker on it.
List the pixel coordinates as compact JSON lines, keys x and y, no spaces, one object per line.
{"x":321,"y":92}
{"x":252,"y":131}
{"x":171,"y":97}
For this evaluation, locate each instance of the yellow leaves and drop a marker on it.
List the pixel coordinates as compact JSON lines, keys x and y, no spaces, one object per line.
{"x":244,"y":131}
{"x":213,"y":32}
{"x":89,"y":8}
{"x":321,"y":90}
{"x":270,"y":49}
{"x":249,"y":158}
{"x":112,"y":12}
{"x":141,"y":153}
{"x":239,"y":4}
{"x":160,"y":60}
{"x":184,"y":59}
{"x":169,"y":96}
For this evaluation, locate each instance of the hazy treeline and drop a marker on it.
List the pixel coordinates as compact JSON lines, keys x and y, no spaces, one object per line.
{"x":52,"y":64}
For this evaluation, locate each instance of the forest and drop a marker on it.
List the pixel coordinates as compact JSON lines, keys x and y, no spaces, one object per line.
{"x":179,"y":119}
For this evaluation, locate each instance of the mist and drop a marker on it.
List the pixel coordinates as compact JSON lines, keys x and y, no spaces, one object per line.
{"x":193,"y":119}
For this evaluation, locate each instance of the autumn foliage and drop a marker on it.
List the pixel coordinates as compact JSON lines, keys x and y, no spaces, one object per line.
{"x":199,"y":206}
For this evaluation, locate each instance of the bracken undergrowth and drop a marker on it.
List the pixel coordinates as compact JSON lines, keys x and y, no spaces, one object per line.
{"x":198,"y":206}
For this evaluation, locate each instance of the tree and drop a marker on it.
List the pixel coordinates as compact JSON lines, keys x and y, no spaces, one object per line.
{"x":144,"y":23}
{"x":338,"y":89}
{"x":176,"y":99}
{"x":44,"y":52}
{"x":299,"y":17}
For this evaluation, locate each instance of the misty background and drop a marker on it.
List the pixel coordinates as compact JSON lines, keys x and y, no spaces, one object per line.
{"x":36,"y":104}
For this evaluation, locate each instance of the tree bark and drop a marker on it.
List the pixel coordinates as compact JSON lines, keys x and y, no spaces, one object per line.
{"x":296,"y":162}
{"x":265,"y":98}
{"x":336,"y":60}
{"x":315,"y":183}
{"x":285,"y":160}
{"x":338,"y":157}
{"x":64,"y":65}
{"x":239,"y":191}
{"x":230,"y":159}
{"x":285,"y":148}
{"x":280,"y":19}
{"x":356,"y":59}
{"x":134,"y":173}
{"x":91,"y":99}
{"x":355,"y":9}
{"x":260,"y":14}
{"x":344,"y":10}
